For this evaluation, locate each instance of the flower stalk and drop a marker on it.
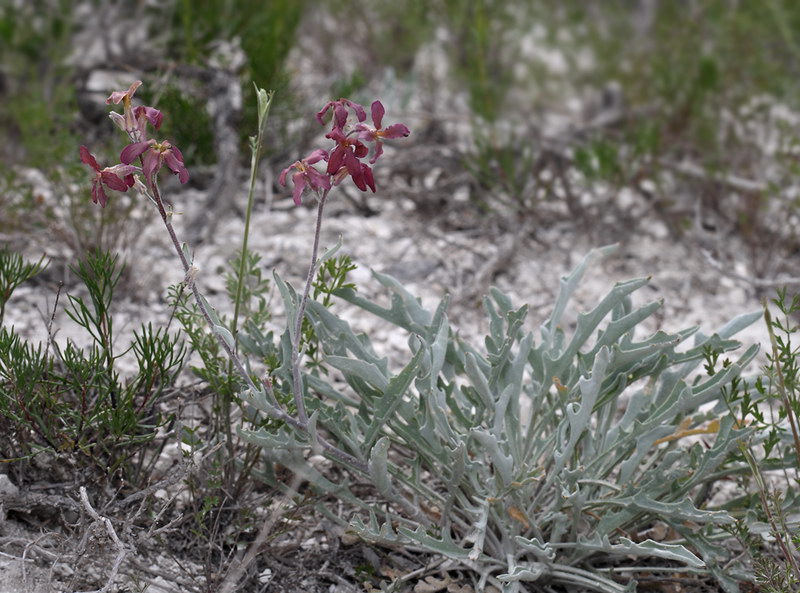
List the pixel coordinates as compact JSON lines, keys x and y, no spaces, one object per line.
{"x":256,"y":145}
{"x":344,"y":160}
{"x":297,"y":382}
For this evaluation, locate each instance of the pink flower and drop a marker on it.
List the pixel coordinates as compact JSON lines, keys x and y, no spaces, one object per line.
{"x":118,"y":177}
{"x":142,"y":114}
{"x":347,"y":154}
{"x":377,"y":134}
{"x":133,"y":120}
{"x":154,"y":156}
{"x":126,"y":121}
{"x":306,"y":175}
{"x":340,"y":112}
{"x":125,"y":96}
{"x":345,"y":159}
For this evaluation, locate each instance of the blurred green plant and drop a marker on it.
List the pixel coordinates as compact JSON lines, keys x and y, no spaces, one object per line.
{"x":36,"y":84}
{"x":484,"y":46}
{"x":14,"y":270}
{"x":505,"y":169}
{"x":189,"y":124}
{"x":394,"y":31}
{"x":72,"y":401}
{"x":702,"y":83}
{"x":264,"y":31}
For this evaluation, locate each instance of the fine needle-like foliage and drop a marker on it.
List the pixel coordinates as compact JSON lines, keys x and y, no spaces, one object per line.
{"x":71,"y":400}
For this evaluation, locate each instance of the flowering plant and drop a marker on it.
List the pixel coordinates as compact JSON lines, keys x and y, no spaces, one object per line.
{"x":140,"y":162}
{"x":343,"y":160}
{"x":510,"y":459}
{"x":152,"y":154}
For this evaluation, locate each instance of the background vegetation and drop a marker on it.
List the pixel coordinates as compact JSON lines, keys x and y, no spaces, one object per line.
{"x":548,"y":110}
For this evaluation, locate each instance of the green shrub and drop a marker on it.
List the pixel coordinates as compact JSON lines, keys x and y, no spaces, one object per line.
{"x":519,"y":460}
{"x":72,"y":401}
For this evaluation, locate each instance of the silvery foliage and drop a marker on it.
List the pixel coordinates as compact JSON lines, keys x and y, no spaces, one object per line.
{"x":525,"y":461}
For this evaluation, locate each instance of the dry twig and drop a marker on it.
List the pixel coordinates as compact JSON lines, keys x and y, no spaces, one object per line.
{"x":238,"y":567}
{"x":105,"y":522}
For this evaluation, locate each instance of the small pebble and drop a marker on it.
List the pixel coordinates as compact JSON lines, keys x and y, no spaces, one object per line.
{"x":7,"y":487}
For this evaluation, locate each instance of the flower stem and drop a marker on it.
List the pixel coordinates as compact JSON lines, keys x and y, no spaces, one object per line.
{"x":270,"y":409}
{"x":255,"y":146}
{"x":255,"y":159}
{"x":297,"y":384}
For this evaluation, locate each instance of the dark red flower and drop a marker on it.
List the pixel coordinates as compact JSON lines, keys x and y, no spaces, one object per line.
{"x":118,"y":177}
{"x":377,"y":134}
{"x":306,"y":175}
{"x":154,"y":155}
{"x":340,"y":112}
{"x":346,"y":154}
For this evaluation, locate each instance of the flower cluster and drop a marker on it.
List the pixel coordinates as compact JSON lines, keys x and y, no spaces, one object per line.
{"x":345,"y":158}
{"x":152,"y":154}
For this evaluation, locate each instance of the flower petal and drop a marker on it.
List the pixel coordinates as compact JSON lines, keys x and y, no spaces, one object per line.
{"x":118,"y":119}
{"x":339,"y":176}
{"x":175,"y":164}
{"x":99,"y":194}
{"x":117,"y":96}
{"x":88,"y":158}
{"x":368,"y":178}
{"x":318,"y":180}
{"x":337,"y":136}
{"x":352,"y":163}
{"x":316,"y":156}
{"x":122,"y":170}
{"x":178,"y":154}
{"x":172,"y":160}
{"x":359,"y":181}
{"x":336,"y":159}
{"x":378,"y":152}
{"x":321,"y":113}
{"x":365,"y":132}
{"x":395,"y":131}
{"x":113,"y":181}
{"x":151,"y":164}
{"x":285,"y":172}
{"x":299,"y":185}
{"x":377,"y":113}
{"x":340,"y":116}
{"x":361,"y":150}
{"x":154,"y":116}
{"x":361,"y":114}
{"x":358,"y":177}
{"x":130,"y":152}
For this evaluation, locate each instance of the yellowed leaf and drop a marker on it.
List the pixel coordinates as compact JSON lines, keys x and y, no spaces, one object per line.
{"x":432,"y":585}
{"x":518,"y":515}
{"x":710,"y":428}
{"x":559,"y":385}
